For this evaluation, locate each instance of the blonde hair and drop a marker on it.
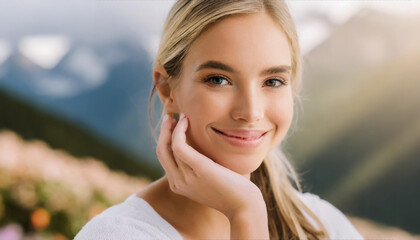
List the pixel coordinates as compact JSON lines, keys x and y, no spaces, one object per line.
{"x":185,"y":22}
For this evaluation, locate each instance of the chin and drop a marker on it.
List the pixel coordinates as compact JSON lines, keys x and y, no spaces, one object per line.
{"x":241,"y":164}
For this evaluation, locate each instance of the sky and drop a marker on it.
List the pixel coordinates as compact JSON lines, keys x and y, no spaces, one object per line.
{"x":105,"y":20}
{"x":311,"y":32}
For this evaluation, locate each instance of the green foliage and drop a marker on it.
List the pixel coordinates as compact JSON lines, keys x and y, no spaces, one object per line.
{"x":32,"y":123}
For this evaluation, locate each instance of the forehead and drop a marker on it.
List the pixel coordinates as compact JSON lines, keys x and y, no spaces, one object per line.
{"x":248,"y":42}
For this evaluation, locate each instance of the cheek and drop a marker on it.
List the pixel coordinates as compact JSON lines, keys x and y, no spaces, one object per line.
{"x":202,"y":108}
{"x":281,"y":115}
{"x":199,"y":106}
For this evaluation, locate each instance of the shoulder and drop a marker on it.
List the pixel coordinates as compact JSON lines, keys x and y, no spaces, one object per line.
{"x":336,"y":223}
{"x":113,"y":228}
{"x":124,"y":221}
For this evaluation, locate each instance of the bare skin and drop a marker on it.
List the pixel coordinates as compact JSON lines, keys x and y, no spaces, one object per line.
{"x":166,"y":203}
{"x":206,"y":191}
{"x":204,"y":207}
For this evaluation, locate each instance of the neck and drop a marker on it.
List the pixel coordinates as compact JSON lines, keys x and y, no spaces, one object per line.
{"x":192,"y":214}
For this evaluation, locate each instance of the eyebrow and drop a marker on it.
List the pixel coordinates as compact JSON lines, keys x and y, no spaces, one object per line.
{"x":219,"y":65}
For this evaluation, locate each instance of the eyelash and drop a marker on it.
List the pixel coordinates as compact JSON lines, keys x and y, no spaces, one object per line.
{"x":208,"y":79}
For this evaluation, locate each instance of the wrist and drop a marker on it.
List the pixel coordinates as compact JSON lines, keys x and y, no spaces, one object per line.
{"x":250,"y":224}
{"x":254,"y":211}
{"x":252,"y":203}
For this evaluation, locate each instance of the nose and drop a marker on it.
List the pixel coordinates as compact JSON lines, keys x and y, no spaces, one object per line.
{"x":249,"y":106}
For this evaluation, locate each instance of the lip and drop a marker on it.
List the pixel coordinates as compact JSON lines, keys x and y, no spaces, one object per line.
{"x":238,"y":138}
{"x":242,"y":133}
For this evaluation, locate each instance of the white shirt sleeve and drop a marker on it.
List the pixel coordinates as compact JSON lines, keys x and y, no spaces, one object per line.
{"x":336,"y":223}
{"x":132,"y":219}
{"x":117,"y":229}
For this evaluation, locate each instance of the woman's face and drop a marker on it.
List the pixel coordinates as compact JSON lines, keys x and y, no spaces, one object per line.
{"x":233,"y":81}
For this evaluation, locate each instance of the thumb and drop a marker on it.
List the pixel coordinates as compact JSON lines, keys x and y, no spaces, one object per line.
{"x":184,"y":151}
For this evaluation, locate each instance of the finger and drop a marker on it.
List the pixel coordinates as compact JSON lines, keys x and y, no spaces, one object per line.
{"x":173,"y":124}
{"x":182,"y":166}
{"x":162,"y":150}
{"x":182,"y":150}
{"x":186,"y":171}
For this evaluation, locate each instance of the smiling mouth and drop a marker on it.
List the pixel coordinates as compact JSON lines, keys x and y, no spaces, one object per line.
{"x":242,"y":138}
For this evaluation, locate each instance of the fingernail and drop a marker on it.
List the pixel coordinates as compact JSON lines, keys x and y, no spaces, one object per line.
{"x":181,"y":116}
{"x":165,"y":117}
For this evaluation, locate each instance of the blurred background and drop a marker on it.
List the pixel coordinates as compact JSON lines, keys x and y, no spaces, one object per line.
{"x":75,"y":78}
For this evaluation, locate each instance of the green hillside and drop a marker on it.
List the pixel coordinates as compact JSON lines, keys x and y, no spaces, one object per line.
{"x":335,"y":71}
{"x":32,"y":123}
{"x":357,"y":143}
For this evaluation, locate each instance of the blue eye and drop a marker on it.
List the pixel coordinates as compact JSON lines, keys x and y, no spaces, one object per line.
{"x":216,"y":80}
{"x":274,"y":81}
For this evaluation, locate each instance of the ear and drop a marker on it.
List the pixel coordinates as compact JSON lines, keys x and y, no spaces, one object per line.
{"x":161,"y":80}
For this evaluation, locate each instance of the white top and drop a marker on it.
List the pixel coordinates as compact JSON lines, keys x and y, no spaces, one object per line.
{"x":136,"y":219}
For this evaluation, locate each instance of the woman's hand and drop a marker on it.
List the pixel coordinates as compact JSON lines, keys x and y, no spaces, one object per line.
{"x":199,"y":178}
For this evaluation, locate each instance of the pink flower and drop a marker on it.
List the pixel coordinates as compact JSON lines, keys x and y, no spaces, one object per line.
{"x":11,"y":231}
